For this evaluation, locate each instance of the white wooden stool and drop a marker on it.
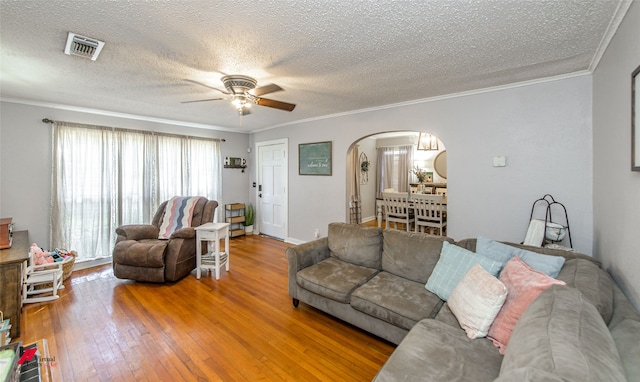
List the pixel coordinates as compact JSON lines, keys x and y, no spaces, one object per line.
{"x":212,"y":232}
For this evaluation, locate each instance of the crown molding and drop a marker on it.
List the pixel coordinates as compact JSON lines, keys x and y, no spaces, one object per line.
{"x":436,"y":98}
{"x":119,"y":115}
{"x":612,"y":28}
{"x":300,"y":121}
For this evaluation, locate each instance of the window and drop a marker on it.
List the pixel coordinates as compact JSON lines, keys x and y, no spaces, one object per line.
{"x":105,"y":177}
{"x":393,"y":168}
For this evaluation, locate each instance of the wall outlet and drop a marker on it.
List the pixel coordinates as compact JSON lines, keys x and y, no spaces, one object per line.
{"x":317,"y":233}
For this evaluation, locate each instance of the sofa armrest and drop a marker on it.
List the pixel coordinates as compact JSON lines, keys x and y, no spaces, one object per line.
{"x":137,"y":232}
{"x":302,"y":256}
{"x":305,"y":255}
{"x":184,"y":233}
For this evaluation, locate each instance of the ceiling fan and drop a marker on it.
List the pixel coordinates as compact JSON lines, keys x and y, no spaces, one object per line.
{"x":243,"y":93}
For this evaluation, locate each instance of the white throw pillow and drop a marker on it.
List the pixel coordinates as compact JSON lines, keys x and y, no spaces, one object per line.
{"x":476,"y":301}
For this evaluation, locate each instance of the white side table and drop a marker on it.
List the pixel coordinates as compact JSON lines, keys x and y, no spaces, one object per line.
{"x":212,"y":232}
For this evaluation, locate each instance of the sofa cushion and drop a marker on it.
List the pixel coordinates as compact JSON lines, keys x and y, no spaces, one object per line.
{"x":625,"y":329}
{"x":476,"y":301}
{"x":523,"y":284}
{"x":528,"y":374}
{"x":453,"y":264}
{"x":622,"y":308}
{"x":356,"y":244}
{"x":396,"y":300}
{"x":563,"y":334}
{"x":410,"y":255}
{"x":470,"y":244}
{"x":549,"y":265}
{"x":593,"y":282}
{"x":333,"y":278}
{"x":627,"y":338}
{"x":446,"y":315}
{"x":435,"y":351}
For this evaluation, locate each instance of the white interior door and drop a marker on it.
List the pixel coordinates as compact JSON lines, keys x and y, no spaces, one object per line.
{"x":272,"y":198}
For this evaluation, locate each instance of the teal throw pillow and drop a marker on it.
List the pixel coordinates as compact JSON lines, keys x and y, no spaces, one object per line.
{"x":453,"y":265}
{"x":549,"y":265}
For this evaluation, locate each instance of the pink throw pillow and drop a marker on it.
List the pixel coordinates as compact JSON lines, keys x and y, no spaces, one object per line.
{"x":523,"y":284}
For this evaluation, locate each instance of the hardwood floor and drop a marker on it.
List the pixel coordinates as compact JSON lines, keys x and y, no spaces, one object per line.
{"x":242,"y":327}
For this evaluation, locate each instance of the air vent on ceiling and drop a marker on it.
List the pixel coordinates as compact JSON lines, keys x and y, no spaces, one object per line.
{"x":83,"y":46}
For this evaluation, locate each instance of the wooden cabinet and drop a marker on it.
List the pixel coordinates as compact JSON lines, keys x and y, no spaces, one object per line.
{"x":11,"y":263}
{"x":234,"y":215}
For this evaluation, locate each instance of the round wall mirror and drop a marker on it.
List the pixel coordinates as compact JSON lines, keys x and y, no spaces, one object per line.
{"x":440,"y":164}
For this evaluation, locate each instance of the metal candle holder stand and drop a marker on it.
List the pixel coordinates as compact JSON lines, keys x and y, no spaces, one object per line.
{"x":550,"y":202}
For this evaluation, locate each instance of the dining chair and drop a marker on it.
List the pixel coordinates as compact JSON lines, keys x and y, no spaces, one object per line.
{"x":397,"y":209}
{"x":430,"y":213}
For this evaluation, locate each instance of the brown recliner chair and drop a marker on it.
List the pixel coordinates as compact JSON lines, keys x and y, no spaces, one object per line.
{"x":140,"y":255}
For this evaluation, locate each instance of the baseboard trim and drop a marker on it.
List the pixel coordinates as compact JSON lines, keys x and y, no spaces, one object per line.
{"x":90,"y":263}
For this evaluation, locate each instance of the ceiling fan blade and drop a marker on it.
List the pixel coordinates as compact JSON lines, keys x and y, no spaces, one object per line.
{"x":275,"y":104}
{"x":203,"y":100}
{"x":266,"y":89}
{"x":207,"y":86}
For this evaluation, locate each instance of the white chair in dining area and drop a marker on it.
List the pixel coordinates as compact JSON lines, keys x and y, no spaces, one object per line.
{"x":430,"y":213}
{"x":397,"y":209}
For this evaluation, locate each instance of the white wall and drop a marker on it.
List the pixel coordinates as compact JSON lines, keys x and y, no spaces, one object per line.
{"x":616,"y":188}
{"x":544,"y":130}
{"x":25,"y":161}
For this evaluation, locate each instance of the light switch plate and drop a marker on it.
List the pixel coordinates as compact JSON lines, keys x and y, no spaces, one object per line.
{"x":499,"y":161}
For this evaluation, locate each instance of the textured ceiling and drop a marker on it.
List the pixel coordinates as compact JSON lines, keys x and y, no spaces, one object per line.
{"x":330,"y":56}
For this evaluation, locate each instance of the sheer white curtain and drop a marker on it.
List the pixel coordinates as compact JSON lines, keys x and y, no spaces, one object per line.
{"x":104,"y":177}
{"x":83,"y":190}
{"x":393,"y":166}
{"x":384,"y":170}
{"x":136,"y":176}
{"x":205,"y":170}
{"x":404,"y":162}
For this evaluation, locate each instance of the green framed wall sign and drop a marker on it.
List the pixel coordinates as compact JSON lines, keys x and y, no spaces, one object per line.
{"x":314,"y":158}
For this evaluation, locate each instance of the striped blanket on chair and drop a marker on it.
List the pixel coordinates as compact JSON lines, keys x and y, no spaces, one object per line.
{"x":177,"y":214}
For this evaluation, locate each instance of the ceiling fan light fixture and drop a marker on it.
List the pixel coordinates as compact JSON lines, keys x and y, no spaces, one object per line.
{"x":242,"y":92}
{"x":239,"y":84}
{"x":239,"y":101}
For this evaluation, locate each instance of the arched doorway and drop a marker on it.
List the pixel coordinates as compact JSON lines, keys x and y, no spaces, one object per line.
{"x":363,"y":183}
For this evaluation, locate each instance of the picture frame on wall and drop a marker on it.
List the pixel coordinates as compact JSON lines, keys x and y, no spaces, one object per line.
{"x":635,"y":120}
{"x":314,"y":158}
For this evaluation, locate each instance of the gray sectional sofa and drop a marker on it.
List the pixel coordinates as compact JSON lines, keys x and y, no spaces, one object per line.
{"x":375,"y":279}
